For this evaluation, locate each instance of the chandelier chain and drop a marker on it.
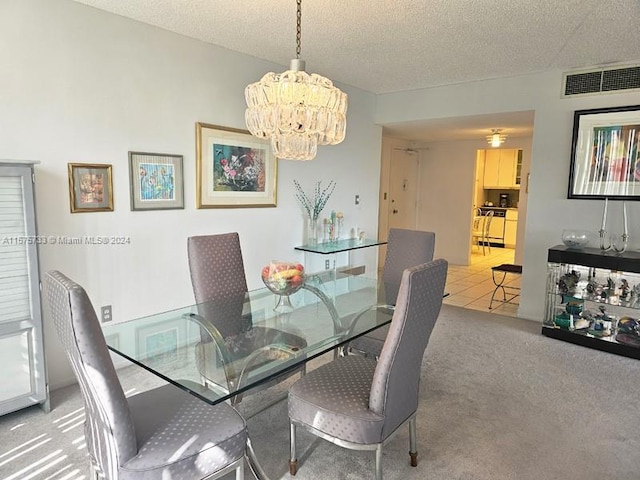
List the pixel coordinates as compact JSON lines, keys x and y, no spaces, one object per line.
{"x":298,"y":27}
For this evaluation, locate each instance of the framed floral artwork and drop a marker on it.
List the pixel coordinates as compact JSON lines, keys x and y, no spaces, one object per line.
{"x":233,"y":169}
{"x":90,"y":187}
{"x":605,"y":154}
{"x":156,"y":181}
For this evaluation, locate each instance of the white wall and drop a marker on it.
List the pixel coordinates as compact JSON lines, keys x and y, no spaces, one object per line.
{"x":447,"y":176}
{"x":81,"y":85}
{"x":548,"y":209}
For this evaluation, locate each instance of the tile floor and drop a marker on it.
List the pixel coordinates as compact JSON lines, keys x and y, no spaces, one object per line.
{"x":471,"y":286}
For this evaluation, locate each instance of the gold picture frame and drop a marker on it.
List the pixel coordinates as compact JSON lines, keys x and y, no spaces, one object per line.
{"x":90,"y":187}
{"x":234,"y":169}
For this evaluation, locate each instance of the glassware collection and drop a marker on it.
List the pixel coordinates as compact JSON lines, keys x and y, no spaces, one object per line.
{"x":597,"y":302}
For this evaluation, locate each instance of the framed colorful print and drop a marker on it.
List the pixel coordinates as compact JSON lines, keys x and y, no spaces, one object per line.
{"x":234,"y":169}
{"x":156,"y":181}
{"x":90,"y":187}
{"x":605,"y":154}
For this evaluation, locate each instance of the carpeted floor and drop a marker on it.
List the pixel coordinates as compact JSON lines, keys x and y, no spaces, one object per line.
{"x":499,"y":401}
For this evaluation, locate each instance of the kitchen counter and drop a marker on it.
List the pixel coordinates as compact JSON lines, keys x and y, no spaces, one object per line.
{"x":499,"y":208}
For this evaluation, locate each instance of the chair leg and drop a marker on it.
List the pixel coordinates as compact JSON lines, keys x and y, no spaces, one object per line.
{"x":293,"y":462}
{"x":413,"y":452}
{"x":379,"y":462}
{"x":93,"y":474}
{"x":240,"y":471}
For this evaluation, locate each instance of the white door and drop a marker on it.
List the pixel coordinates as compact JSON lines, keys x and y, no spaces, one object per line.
{"x":403,"y":189}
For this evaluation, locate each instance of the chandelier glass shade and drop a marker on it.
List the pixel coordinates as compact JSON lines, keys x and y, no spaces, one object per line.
{"x":296,"y":110}
{"x":496,"y":138}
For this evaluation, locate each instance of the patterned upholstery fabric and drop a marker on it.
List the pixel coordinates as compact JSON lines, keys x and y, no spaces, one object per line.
{"x":335,"y":400}
{"x":203,"y":439}
{"x":405,"y":249}
{"x":359,"y":400}
{"x":395,"y":388}
{"x":179,"y":438}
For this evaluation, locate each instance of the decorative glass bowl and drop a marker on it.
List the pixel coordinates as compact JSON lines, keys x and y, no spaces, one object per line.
{"x":283,"y":278}
{"x":575,"y":238}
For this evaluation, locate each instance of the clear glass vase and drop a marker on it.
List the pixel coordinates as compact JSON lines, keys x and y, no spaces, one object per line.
{"x":312,"y":231}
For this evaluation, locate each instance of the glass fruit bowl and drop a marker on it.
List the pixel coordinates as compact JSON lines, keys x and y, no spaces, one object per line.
{"x":283,"y":278}
{"x":575,"y":238}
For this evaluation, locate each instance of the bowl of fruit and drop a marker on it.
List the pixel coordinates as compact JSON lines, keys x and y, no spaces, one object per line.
{"x":283,"y":278}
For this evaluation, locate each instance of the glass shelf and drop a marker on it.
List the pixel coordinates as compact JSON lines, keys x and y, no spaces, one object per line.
{"x":327,"y":248}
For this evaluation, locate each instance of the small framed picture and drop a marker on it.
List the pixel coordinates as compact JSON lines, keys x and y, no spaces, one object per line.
{"x":156,"y":181}
{"x":605,"y":154}
{"x":90,"y":187}
{"x":234,"y":169}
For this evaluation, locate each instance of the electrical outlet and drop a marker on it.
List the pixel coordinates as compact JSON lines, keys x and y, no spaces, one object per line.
{"x":106,"y":313}
{"x":327,"y":265}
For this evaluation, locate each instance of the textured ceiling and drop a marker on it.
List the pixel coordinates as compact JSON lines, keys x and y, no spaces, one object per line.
{"x":393,"y":45}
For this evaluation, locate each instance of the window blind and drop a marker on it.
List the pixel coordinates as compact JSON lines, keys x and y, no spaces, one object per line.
{"x":15,"y":301}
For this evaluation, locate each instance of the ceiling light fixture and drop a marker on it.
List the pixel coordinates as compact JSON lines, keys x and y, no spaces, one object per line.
{"x":297,"y":111}
{"x":496,"y":138}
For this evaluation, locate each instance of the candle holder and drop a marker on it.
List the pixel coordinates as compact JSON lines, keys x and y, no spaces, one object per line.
{"x":603,"y":239}
{"x":625,"y":241}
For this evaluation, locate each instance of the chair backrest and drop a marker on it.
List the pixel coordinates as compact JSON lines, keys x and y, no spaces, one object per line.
{"x":405,"y":248}
{"x":396,"y":381}
{"x":217,"y":277}
{"x":487,"y":222}
{"x":216,"y":266}
{"x":109,"y":430}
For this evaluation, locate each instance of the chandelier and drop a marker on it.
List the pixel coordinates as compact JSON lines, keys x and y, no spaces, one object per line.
{"x":496,"y":138}
{"x":296,"y":110}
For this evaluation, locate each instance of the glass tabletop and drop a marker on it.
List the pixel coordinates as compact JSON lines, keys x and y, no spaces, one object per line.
{"x":340,"y":245}
{"x":219,"y":349}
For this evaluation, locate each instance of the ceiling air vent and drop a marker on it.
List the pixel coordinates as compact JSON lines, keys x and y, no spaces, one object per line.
{"x":601,"y":80}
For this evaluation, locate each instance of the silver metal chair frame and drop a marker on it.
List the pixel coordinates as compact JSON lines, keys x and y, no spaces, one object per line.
{"x":293,"y":462}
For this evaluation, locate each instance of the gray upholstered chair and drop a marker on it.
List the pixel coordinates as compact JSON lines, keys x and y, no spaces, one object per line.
{"x":158,"y":434}
{"x":405,"y":248}
{"x":219,"y":287}
{"x":358,"y":403}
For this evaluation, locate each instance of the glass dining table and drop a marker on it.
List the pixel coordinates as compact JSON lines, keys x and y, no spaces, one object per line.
{"x":216,"y":351}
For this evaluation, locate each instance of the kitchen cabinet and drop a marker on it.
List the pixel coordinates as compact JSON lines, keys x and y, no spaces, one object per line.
{"x":593,"y":299}
{"x":491,"y":167}
{"x":510,"y":228}
{"x":501,"y":168}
